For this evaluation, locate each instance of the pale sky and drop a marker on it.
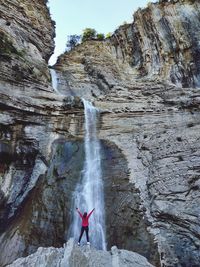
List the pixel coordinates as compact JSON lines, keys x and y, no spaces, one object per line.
{"x":72,"y":16}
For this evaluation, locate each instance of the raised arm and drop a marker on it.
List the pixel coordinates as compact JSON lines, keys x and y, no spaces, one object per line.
{"x":79,"y":213}
{"x":90,"y":213}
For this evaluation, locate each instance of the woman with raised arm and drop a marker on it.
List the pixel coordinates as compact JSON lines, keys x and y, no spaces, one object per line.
{"x":85,"y":222}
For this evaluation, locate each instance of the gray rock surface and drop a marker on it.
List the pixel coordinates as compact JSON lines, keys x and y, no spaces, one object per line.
{"x":149,"y":130}
{"x":161,"y":43}
{"x":73,"y":256}
{"x":154,"y":123}
{"x":27,"y":32}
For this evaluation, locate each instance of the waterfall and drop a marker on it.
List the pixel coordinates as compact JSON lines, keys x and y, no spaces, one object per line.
{"x":89,"y":191}
{"x":54,"y":80}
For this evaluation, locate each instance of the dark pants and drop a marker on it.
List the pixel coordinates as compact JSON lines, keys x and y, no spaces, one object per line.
{"x":86,"y":229}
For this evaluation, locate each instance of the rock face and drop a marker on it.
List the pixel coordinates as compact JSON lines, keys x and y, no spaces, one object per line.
{"x":149,"y":130}
{"x":73,"y":256}
{"x":30,"y":119}
{"x":162,"y":42}
{"x":154,"y":123}
{"x":26,"y":32}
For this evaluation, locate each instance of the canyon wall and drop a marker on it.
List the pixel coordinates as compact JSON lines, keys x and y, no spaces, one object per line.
{"x":144,"y":79}
{"x":163,"y":42}
{"x":26,"y":45}
{"x":31,"y":116}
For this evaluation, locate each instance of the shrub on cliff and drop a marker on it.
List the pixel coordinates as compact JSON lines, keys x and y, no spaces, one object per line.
{"x":73,"y":40}
{"x":108,"y":35}
{"x":100,"y":36}
{"x":88,"y":34}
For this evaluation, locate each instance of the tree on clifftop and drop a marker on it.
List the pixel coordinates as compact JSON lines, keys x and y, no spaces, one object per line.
{"x":100,"y":36}
{"x":88,"y":34}
{"x":73,"y":40}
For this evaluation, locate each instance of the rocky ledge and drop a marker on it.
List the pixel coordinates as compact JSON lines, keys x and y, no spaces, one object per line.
{"x":73,"y":256}
{"x":146,"y":85}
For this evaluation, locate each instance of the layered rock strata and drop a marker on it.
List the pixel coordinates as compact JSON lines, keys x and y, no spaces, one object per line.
{"x":162,"y":42}
{"x":154,"y":123}
{"x":26,"y":42}
{"x":31,"y":117}
{"x":149,"y":131}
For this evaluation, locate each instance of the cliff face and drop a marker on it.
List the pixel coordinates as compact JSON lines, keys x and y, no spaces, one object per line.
{"x":163,"y":42}
{"x":26,"y":42}
{"x":154,"y":123}
{"x":149,"y":131}
{"x":30,"y":118}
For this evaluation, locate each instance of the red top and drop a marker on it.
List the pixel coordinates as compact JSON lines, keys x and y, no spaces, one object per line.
{"x":85,"y":221}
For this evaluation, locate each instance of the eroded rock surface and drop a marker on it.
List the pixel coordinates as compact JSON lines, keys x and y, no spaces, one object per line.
{"x":152,"y":121}
{"x":162,"y":42}
{"x":26,"y":44}
{"x":73,"y":256}
{"x":149,"y":130}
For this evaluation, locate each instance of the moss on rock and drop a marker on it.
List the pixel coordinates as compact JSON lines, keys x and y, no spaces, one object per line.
{"x":7,"y":47}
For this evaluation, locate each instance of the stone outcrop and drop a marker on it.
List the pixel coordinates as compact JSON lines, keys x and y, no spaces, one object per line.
{"x":73,"y":256}
{"x":149,"y":130}
{"x":30,"y":118}
{"x":162,"y":42}
{"x":26,"y":44}
{"x":26,"y":41}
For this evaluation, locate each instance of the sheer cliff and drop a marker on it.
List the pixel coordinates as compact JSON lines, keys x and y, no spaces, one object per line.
{"x":26,"y":44}
{"x":26,"y":40}
{"x":31,"y":115}
{"x":145,"y":81}
{"x":162,"y":42}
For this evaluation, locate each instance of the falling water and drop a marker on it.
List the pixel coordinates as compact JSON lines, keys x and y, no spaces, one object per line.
{"x":89,"y":192}
{"x":54,"y":80}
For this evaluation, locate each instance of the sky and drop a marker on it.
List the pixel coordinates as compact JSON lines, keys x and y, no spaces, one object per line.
{"x":72,"y":16}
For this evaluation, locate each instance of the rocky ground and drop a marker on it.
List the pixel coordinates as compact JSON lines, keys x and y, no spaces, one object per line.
{"x":73,"y":256}
{"x":144,"y":79}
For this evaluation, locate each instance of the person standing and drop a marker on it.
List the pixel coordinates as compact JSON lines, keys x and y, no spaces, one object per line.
{"x":85,"y":225}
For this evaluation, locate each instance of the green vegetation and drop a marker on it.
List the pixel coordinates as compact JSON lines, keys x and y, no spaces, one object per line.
{"x":100,"y":36}
{"x":6,"y":46}
{"x":88,"y":34}
{"x":73,"y":40}
{"x":108,"y":35}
